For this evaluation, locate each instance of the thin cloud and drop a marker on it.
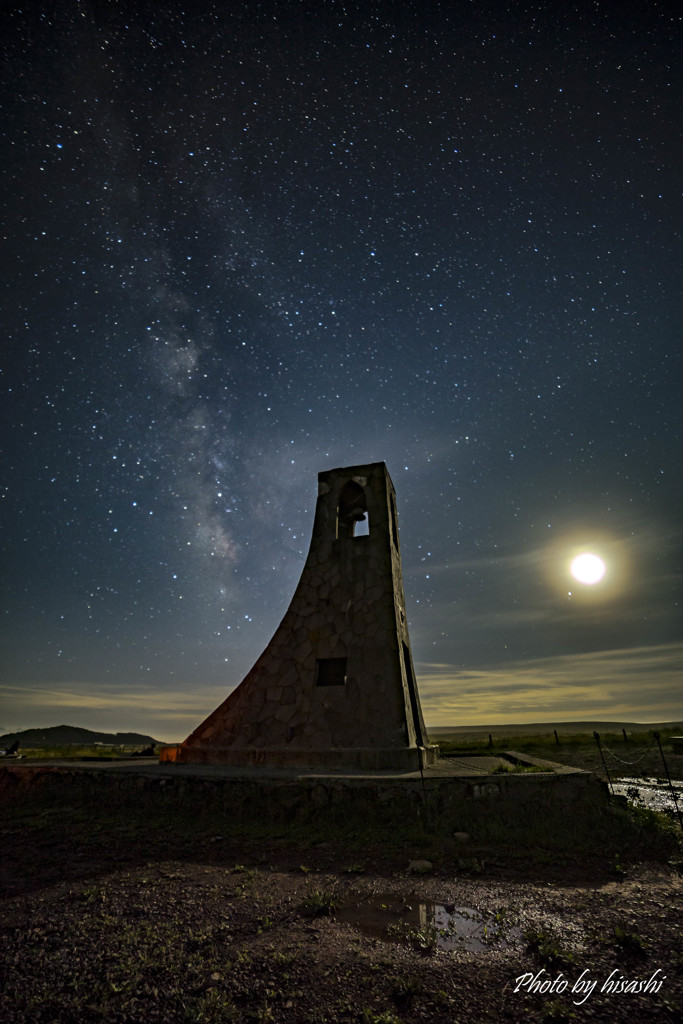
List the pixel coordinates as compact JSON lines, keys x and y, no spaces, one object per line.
{"x":160,"y":713}
{"x":642,"y":683}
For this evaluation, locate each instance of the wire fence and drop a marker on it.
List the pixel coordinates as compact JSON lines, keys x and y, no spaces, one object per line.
{"x":622,"y":760}
{"x":655,"y":739}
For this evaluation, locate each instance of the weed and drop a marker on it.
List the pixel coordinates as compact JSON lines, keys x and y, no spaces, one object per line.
{"x":344,"y":1007}
{"x":404,"y":990}
{"x":558,"y":1013}
{"x":630,"y":942}
{"x":214,"y":1007}
{"x":240,"y":869}
{"x":264,"y":924}
{"x":320,"y":903}
{"x":93,"y":894}
{"x":549,"y":951}
{"x":425,"y":938}
{"x":470,"y":865}
{"x":617,"y":867}
{"x":502,"y":916}
{"x":200,"y":939}
{"x":370,"y":1017}
{"x":263,"y":1014}
{"x":248,"y":879}
{"x":283,"y":959}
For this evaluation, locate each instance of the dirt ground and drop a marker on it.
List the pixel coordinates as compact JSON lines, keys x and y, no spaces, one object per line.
{"x":113,"y":920}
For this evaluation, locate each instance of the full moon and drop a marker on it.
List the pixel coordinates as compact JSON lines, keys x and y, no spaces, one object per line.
{"x":587,"y":568}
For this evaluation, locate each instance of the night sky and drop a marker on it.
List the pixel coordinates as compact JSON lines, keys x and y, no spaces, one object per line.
{"x":246,"y":242}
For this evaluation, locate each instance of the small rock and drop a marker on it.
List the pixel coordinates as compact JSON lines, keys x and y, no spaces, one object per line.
{"x":462,"y":837}
{"x":420,"y":867}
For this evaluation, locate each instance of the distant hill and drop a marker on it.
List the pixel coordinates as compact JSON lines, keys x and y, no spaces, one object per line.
{"x":63,"y":735}
{"x":547,"y":727}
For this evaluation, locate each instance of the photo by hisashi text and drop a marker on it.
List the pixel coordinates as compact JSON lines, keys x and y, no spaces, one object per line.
{"x":583,"y":987}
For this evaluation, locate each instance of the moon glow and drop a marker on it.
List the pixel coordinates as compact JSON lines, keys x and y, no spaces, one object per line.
{"x":587,"y":568}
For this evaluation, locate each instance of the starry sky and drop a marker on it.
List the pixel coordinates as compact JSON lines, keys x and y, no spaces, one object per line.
{"x":246,"y":242}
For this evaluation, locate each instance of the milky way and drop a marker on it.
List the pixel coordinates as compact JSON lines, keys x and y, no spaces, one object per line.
{"x":248,"y":242}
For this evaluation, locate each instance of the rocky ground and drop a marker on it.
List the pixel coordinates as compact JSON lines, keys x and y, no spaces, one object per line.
{"x":115,"y":919}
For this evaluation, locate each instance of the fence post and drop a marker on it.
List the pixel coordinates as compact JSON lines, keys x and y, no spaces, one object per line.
{"x":596,"y":737}
{"x":671,"y":786}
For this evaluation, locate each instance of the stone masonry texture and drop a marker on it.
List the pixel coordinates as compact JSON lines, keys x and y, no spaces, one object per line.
{"x":336,"y":685}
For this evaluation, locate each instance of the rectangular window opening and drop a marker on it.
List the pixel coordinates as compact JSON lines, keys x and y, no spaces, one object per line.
{"x":330,"y":671}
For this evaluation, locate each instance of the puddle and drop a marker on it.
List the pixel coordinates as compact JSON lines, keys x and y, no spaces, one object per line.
{"x":428,"y":925}
{"x":652,"y":793}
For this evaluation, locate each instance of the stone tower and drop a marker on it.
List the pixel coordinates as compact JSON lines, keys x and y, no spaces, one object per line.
{"x":335,"y":686}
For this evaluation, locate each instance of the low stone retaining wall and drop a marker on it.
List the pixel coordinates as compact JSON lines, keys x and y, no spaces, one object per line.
{"x":446,"y":802}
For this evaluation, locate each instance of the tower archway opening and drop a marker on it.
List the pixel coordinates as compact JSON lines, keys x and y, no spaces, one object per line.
{"x":352,"y":511}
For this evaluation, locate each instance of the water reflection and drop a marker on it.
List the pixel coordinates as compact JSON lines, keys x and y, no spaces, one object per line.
{"x":429,"y":925}
{"x":650,"y":792}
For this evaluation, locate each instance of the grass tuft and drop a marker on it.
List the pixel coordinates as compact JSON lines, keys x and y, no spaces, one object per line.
{"x":320,"y":903}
